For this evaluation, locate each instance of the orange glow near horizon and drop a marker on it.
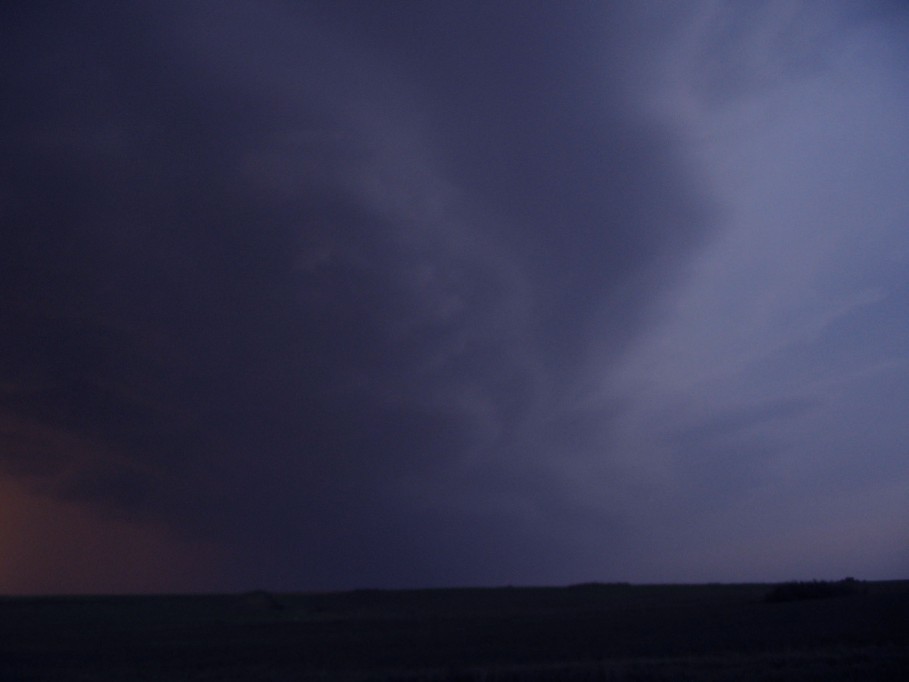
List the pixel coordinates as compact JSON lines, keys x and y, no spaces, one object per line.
{"x":49,"y":546}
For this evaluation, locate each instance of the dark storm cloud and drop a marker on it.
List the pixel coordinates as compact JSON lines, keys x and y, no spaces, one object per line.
{"x":322,"y":282}
{"x":585,"y":192}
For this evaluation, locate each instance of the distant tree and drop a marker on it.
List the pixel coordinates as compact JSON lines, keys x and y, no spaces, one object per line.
{"x":814,"y":589}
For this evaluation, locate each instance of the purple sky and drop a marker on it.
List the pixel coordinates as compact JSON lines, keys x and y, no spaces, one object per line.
{"x":323,"y":295}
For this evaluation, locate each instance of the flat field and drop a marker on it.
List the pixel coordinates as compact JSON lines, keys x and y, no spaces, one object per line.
{"x":587,"y":632}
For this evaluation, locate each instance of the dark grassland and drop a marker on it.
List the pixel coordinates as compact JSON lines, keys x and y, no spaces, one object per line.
{"x":586,"y":632}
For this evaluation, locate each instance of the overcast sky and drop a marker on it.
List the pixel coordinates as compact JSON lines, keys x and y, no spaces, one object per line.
{"x":325,"y":295}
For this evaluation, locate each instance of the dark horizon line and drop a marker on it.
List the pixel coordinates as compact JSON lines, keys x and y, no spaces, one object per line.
{"x":451,"y":588}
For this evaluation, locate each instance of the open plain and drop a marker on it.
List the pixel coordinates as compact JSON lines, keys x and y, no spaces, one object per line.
{"x":585,"y":632}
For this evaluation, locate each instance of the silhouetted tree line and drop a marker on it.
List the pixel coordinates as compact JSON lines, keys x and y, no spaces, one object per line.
{"x":814,"y":589}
